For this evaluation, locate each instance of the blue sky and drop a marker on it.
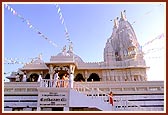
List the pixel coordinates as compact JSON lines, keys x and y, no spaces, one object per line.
{"x":89,"y":27}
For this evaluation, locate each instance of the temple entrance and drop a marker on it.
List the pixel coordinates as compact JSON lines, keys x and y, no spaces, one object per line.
{"x":79,"y":77}
{"x":62,"y":73}
{"x":33,"y":78}
{"x":47,"y":76}
{"x":94,"y":77}
{"x":62,"y":70}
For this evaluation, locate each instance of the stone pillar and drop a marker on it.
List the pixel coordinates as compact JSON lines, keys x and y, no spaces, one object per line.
{"x":124,"y":78}
{"x":86,"y":75}
{"x":72,"y":68}
{"x":118,"y":78}
{"x":71,"y":80}
{"x":128,"y":77}
{"x":121,"y":76}
{"x":139,"y":79}
{"x":132,"y":78}
{"x":51,"y":71}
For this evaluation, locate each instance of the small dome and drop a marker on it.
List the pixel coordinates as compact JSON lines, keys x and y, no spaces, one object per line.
{"x":59,"y":54}
{"x":38,"y":61}
{"x":62,"y":54}
{"x":35,"y":64}
{"x":70,"y":53}
{"x":77,"y":58}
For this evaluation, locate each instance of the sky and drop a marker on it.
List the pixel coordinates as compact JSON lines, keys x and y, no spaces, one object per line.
{"x":88,"y":26}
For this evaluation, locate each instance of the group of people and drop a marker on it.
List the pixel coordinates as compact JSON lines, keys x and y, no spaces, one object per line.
{"x":58,"y":81}
{"x":65,"y":81}
{"x":20,"y":79}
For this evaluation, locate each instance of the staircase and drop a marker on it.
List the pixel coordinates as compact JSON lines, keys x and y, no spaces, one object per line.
{"x":79,"y":99}
{"x":101,"y":102}
{"x":82,"y":96}
{"x":89,"y":101}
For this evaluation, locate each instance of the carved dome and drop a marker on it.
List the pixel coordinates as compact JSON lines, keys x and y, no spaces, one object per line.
{"x":70,"y":53}
{"x":77,"y":58}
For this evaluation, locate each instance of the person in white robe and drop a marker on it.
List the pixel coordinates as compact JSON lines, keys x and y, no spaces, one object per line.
{"x":71,"y":80}
{"x":17,"y":78}
{"x":56,"y":80}
{"x":39,"y":78}
{"x":24,"y":78}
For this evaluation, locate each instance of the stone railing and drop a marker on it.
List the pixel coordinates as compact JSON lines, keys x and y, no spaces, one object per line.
{"x":120,"y":103}
{"x":121,"y":90}
{"x":21,"y":88}
{"x":21,"y":84}
{"x":116,"y":64}
{"x":128,"y":87}
{"x":89,"y":65}
{"x":98,"y":90}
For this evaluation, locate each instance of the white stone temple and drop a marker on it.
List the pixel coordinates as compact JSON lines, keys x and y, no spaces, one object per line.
{"x":123,"y":72}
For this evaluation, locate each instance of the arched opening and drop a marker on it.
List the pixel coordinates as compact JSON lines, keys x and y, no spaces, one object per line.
{"x":47,"y":76}
{"x":118,"y":57}
{"x":62,"y":73}
{"x":94,"y":77}
{"x":62,"y":70}
{"x":33,"y":78}
{"x":79,"y":77}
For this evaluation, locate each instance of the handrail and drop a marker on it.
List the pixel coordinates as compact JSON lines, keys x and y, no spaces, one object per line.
{"x":121,"y":100}
{"x":91,"y":89}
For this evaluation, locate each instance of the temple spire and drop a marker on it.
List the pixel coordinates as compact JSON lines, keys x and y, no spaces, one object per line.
{"x":64,"y":50}
{"x":116,"y":22}
{"x":123,"y":16}
{"x":71,"y":47}
{"x":40,"y":56}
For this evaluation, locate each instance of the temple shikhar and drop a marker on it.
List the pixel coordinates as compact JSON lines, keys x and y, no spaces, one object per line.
{"x":123,"y":72}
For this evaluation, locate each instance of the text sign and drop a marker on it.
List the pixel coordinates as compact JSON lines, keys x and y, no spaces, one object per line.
{"x":56,"y":99}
